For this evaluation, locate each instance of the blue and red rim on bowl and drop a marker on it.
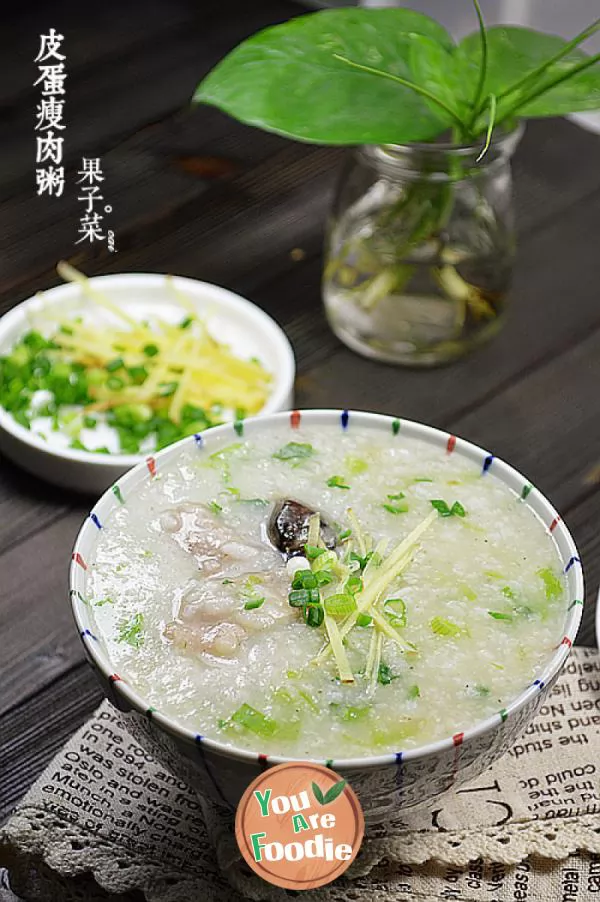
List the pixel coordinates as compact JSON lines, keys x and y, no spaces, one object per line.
{"x":448,"y":445}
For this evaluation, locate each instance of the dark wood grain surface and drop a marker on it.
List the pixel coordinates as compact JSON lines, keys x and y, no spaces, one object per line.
{"x":197,"y":194}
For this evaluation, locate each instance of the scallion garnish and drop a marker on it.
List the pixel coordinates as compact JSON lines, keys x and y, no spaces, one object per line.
{"x":345,"y":534}
{"x":552,"y":585}
{"x":444,"y":627}
{"x":340,"y":605}
{"x":297,"y":598}
{"x":356,"y":465}
{"x":385,"y":675}
{"x":150,"y":350}
{"x":323,"y":577}
{"x":248,"y":717}
{"x":398,"y":508}
{"x":295,"y":451}
{"x":395,"y":611}
{"x":337,"y":482}
{"x":354,"y":584}
{"x":314,"y":615}
{"x":444,"y":510}
{"x":253,"y":603}
{"x":498,"y":615}
{"x":131,"y":631}
{"x":114,"y":365}
{"x":304,"y":579}
{"x":313,"y":551}
{"x":364,"y":620}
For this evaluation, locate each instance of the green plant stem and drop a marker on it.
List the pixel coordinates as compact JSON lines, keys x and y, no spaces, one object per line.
{"x":490,"y":128}
{"x":407,"y":84}
{"x":484,"y":63}
{"x":542,"y":89}
{"x":535,"y":73}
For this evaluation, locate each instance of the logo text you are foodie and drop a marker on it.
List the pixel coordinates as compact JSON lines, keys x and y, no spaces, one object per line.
{"x":304,"y":821}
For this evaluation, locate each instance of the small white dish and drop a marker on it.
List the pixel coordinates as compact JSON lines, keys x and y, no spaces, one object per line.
{"x":229,"y":318}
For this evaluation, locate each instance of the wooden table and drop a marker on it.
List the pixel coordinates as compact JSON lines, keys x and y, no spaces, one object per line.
{"x":197,"y":194}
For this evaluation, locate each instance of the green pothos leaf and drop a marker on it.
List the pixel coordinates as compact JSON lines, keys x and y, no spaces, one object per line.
{"x":514,"y":53}
{"x":300,"y":78}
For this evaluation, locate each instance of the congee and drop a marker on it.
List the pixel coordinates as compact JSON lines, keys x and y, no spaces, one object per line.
{"x":320,"y":593}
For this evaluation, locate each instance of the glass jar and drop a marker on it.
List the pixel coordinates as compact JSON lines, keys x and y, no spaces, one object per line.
{"x":420,"y":249}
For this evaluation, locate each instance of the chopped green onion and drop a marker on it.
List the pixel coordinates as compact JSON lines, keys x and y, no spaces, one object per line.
{"x":131,"y":631}
{"x":397,"y":497}
{"x":215,"y":507}
{"x":151,"y":350}
{"x":186,"y":323}
{"x":508,"y":592}
{"x":255,"y":721}
{"x":297,"y":598}
{"x":313,"y":551}
{"x":364,"y":620}
{"x":314,"y":615}
{"x":168,"y":389}
{"x":362,"y":561}
{"x":498,"y":615}
{"x":253,"y":604}
{"x":395,"y":611}
{"x":445,"y":627}
{"x":340,"y":605}
{"x":354,"y":584}
{"x":114,"y":365}
{"x":401,"y":508}
{"x":352,"y":713}
{"x":552,"y":585}
{"x":115,"y":383}
{"x":356,"y":465}
{"x":304,"y":579}
{"x":345,"y":534}
{"x":385,"y":674}
{"x":137,"y":374}
{"x":443,"y":509}
{"x":323,"y":577}
{"x":89,"y":422}
{"x":414,"y":691}
{"x":422,"y":479}
{"x":337,"y":482}
{"x":294,"y":451}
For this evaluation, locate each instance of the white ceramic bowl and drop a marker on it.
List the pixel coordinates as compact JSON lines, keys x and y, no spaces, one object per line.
{"x":246,"y":328}
{"x":383,"y":783}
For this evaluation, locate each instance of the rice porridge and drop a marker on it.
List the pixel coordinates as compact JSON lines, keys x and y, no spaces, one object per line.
{"x":334,"y":595}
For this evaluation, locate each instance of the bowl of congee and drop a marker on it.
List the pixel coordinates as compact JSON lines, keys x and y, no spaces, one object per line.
{"x":345,"y":587}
